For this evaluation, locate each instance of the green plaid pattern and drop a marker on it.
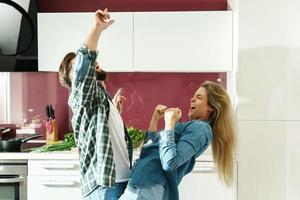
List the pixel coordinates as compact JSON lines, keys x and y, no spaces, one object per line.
{"x":90,"y":108}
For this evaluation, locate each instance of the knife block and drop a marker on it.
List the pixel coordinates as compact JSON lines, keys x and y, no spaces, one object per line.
{"x":52,"y":133}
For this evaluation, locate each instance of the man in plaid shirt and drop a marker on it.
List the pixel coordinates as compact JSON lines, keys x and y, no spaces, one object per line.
{"x":104,"y":146}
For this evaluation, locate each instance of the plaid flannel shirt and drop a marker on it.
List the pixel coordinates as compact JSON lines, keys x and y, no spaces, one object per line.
{"x":90,"y":109}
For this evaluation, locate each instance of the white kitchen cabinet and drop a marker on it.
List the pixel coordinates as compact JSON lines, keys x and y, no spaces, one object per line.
{"x":53,"y":179}
{"x":54,"y":187}
{"x":197,"y":41}
{"x":60,"y":33}
{"x":203,"y":183}
{"x":53,"y":167}
{"x":60,"y":180}
{"x":183,"y":41}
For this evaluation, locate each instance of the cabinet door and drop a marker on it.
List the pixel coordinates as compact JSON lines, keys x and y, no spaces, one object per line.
{"x":183,"y":41}
{"x":203,"y":183}
{"x":54,"y":187}
{"x":60,"y":33}
{"x":53,"y":167}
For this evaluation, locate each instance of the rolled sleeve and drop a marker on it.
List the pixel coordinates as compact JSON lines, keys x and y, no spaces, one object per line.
{"x":167,"y":136}
{"x":174,"y":154}
{"x":92,"y":54}
{"x":84,"y":86}
{"x":84,"y":60}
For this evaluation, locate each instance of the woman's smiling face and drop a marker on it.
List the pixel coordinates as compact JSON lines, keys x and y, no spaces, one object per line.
{"x":199,"y":108}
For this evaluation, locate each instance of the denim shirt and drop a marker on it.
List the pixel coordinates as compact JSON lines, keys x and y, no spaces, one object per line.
{"x":170,"y":156}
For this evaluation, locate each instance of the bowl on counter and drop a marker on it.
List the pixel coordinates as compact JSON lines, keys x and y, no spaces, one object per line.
{"x":35,"y":125}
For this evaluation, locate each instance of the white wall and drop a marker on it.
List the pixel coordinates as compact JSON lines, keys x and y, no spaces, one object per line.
{"x":231,"y":76}
{"x":4,"y":88}
{"x":15,"y":107}
{"x":268,"y":85}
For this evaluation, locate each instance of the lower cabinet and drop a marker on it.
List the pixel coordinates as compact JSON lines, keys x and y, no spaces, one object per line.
{"x":54,"y":187}
{"x":53,"y":179}
{"x":60,"y":180}
{"x":203,"y":183}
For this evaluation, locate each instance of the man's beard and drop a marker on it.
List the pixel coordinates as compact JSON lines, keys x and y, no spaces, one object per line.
{"x":101,"y":76}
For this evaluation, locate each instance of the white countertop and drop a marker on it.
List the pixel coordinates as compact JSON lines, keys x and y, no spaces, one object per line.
{"x":61,"y":155}
{"x":58,"y":155}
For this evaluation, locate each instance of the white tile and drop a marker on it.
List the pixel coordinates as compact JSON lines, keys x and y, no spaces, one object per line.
{"x":269,"y":160}
{"x":268,"y":81}
{"x":293,"y":161}
{"x":268,"y":84}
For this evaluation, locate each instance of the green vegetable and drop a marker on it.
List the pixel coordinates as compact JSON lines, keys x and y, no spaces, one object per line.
{"x":136,"y":135}
{"x":69,"y":137}
{"x":66,"y":144}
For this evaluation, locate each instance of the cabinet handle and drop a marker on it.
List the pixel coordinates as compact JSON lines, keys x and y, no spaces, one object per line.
{"x":58,"y":166}
{"x":204,"y":169}
{"x":58,"y":183}
{"x":12,"y":180}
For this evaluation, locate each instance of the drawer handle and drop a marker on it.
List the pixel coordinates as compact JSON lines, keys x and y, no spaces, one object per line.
{"x":12,"y":180}
{"x":58,"y":183}
{"x":204,"y":169}
{"x":58,"y":166}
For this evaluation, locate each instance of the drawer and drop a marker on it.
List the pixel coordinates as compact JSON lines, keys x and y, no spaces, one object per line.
{"x":54,"y":187}
{"x":53,"y":167}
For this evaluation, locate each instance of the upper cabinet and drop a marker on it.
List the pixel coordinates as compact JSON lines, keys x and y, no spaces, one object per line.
{"x":183,"y":41}
{"x":60,"y":33}
{"x":191,"y":41}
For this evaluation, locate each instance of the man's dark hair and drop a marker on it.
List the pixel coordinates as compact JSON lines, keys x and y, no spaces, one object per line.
{"x":101,"y":76}
{"x":64,"y":70}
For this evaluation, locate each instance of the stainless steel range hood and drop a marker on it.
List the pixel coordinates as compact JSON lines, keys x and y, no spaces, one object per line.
{"x":18,"y":39}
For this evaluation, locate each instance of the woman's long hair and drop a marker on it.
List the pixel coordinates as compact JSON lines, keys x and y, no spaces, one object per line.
{"x":224,"y":130}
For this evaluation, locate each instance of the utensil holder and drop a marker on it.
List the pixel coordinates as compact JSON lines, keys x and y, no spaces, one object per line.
{"x":51,"y":132}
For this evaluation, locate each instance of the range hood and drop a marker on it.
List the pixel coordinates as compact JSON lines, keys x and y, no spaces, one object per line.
{"x":18,"y":36}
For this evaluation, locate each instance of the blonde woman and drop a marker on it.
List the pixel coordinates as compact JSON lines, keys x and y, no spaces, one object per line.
{"x":168,"y":155}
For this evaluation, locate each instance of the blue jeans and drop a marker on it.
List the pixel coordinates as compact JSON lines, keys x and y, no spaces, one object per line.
{"x":107,"y":193}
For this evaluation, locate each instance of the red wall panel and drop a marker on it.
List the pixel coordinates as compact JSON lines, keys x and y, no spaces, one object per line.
{"x":40,"y":89}
{"x":143,"y":92}
{"x":130,"y":5}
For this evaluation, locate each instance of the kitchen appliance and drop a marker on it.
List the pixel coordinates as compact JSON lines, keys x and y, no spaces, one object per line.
{"x":13,"y":179}
{"x":18,"y":35}
{"x":14,"y":145}
{"x":7,"y":131}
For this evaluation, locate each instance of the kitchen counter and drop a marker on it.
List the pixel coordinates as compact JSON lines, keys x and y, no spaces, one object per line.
{"x":62,"y":155}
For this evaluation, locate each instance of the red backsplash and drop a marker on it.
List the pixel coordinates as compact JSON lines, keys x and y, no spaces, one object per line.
{"x":40,"y":89}
{"x":143,"y":92}
{"x":130,"y":5}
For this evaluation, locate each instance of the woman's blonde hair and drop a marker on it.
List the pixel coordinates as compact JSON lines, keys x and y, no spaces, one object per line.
{"x":224,"y":130}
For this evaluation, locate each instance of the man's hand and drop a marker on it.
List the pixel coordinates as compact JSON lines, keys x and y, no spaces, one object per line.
{"x":172,"y":115}
{"x":118,"y":100}
{"x":102,"y":19}
{"x":101,"y":22}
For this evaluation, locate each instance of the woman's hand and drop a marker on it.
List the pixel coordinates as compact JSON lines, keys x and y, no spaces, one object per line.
{"x":157,"y":114}
{"x":102,"y":19}
{"x":159,"y":111}
{"x":172,"y":115}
